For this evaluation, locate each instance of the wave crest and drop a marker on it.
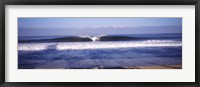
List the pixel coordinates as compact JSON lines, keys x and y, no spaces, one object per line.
{"x":98,"y":45}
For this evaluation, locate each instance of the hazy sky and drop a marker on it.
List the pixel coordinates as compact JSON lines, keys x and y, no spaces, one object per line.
{"x":76,"y":26}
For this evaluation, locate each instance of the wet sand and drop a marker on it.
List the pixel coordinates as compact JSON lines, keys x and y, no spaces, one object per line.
{"x":156,"y":67}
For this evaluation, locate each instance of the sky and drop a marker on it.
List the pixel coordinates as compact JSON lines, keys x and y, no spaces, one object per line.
{"x":93,"y":26}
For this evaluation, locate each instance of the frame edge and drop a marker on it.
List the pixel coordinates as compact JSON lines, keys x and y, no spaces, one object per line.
{"x":2,"y":42}
{"x":197,"y":36}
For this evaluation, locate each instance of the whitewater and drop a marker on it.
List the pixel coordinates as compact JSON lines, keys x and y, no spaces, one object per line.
{"x":97,"y":45}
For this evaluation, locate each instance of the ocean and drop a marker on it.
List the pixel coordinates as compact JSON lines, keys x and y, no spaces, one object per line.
{"x":99,"y":51}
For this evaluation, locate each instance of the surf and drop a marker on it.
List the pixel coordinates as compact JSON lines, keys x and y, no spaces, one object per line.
{"x":99,"y":45}
{"x":82,"y":38}
{"x":92,"y":37}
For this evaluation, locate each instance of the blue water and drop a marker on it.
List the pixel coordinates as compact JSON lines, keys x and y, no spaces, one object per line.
{"x":103,"y":51}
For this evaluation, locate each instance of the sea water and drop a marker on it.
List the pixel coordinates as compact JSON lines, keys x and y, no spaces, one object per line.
{"x":99,"y":51}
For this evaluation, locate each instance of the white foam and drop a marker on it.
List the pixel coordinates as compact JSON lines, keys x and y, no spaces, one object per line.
{"x":33,"y":46}
{"x":98,"y":45}
{"x":93,"y":38}
{"x":104,"y":45}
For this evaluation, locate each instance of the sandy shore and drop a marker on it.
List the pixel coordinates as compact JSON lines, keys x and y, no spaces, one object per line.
{"x":134,"y":67}
{"x":156,"y":67}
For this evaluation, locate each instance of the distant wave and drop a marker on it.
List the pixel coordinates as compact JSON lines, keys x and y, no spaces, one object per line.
{"x":93,"y":38}
{"x":62,"y":39}
{"x":99,"y":45}
{"x":90,"y":38}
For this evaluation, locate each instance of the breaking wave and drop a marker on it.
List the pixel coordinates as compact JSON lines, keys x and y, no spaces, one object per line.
{"x":97,"y":45}
{"x":91,"y":38}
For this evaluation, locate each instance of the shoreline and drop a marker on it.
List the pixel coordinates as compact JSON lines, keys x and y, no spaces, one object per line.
{"x":156,"y":67}
{"x":177,"y":66}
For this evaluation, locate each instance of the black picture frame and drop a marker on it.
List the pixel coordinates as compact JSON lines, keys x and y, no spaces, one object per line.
{"x":99,"y":2}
